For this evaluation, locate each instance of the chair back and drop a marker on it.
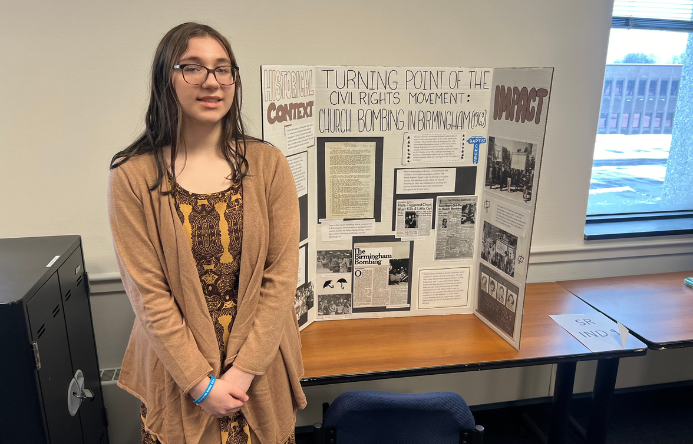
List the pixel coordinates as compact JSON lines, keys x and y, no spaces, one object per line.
{"x":365,"y":416}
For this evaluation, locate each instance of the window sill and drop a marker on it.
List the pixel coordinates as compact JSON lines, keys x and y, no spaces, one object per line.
{"x":602,"y":227}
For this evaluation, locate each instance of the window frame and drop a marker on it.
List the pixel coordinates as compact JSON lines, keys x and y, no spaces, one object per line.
{"x":642,"y":224}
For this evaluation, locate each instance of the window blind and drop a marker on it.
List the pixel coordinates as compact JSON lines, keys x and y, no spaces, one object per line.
{"x":666,"y":15}
{"x":663,"y":10}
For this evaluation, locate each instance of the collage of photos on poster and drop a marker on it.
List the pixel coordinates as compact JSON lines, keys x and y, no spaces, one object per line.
{"x":510,"y":166}
{"x":499,"y":248}
{"x":334,"y":305}
{"x":498,"y":299}
{"x":304,"y":299}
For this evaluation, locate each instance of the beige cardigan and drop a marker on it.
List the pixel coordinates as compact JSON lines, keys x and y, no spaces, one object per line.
{"x":173,"y":345}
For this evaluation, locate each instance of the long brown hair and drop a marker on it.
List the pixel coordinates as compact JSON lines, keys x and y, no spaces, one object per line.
{"x":164,"y":114}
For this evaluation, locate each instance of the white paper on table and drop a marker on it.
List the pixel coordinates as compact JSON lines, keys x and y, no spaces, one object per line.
{"x":594,"y":330}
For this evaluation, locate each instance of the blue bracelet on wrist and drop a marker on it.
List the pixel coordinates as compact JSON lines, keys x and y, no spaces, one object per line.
{"x":202,"y":397}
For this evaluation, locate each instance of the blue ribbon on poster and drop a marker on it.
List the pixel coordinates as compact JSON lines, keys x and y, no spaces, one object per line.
{"x":477,"y":140}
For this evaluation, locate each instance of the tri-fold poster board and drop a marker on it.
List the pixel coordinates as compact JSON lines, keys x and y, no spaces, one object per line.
{"x":417,"y":187}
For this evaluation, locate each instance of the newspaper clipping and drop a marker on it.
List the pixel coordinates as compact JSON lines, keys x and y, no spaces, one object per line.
{"x":350,"y":180}
{"x":455,"y":227}
{"x":381,"y":274}
{"x":414,"y":218}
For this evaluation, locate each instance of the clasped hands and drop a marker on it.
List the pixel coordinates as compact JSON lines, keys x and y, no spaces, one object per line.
{"x":228,"y":394}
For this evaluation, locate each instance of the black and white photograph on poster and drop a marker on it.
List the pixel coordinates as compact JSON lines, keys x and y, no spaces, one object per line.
{"x":499,"y":313}
{"x":500,"y":294}
{"x":414,"y":218}
{"x":399,"y":272}
{"x":510,"y":168}
{"x":499,"y":248}
{"x":382,"y":274}
{"x":511,"y":301}
{"x":455,"y":227}
{"x":334,"y":283}
{"x":333,"y":261}
{"x":444,"y":287}
{"x":334,"y":305}
{"x":484,"y":282}
{"x":303,"y":301}
{"x":492,"y":287}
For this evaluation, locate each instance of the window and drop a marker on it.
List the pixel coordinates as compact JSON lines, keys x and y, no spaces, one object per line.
{"x":641,"y":87}
{"x":635,"y":170}
{"x":657,"y":120}
{"x":674,"y":87}
{"x":646,"y":120}
{"x":607,"y":88}
{"x":663,"y":88}
{"x":630,"y":86}
{"x":636,"y":120}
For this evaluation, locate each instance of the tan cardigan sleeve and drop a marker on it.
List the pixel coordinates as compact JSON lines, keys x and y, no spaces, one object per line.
{"x":275,"y":304}
{"x":147,"y":288}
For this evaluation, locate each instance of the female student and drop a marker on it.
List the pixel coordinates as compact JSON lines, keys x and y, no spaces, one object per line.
{"x":205,"y":227}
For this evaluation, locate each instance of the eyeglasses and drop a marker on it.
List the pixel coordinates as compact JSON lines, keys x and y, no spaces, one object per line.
{"x":197,"y":74}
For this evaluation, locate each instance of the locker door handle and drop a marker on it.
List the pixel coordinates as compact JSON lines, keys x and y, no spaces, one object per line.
{"x":85,"y":394}
{"x":76,"y":393}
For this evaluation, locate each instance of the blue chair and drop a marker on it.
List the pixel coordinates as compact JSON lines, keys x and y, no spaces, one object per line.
{"x":365,"y":417}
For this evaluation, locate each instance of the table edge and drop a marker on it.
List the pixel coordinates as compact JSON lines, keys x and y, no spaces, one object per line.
{"x":474,"y":366}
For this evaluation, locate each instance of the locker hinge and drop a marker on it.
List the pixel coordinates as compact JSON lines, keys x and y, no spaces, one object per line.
{"x":86,"y":278}
{"x":37,"y":357}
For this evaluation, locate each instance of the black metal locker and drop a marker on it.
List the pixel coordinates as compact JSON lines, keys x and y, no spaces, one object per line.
{"x":46,"y":337}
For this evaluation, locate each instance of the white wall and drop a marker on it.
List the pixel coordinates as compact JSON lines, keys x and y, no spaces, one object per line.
{"x":77,"y":92}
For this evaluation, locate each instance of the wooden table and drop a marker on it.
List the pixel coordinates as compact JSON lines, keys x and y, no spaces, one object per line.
{"x":656,"y":308}
{"x":368,"y":349}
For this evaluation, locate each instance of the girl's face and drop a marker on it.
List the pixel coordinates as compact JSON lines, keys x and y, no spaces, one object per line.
{"x":208,"y":102}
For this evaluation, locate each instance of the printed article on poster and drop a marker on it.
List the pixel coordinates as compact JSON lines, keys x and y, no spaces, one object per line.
{"x":381,"y":274}
{"x":350,"y":180}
